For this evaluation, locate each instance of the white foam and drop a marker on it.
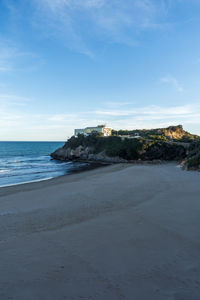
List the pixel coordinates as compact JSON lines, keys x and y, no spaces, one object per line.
{"x":24,"y":182}
{"x":4,"y":171}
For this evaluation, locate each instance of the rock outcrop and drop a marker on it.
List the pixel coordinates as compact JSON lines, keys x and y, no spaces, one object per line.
{"x":84,"y":154}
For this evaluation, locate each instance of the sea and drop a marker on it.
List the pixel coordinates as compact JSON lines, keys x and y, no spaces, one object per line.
{"x":22,"y":162}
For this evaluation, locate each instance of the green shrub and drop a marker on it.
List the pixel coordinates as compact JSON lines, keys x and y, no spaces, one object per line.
{"x":194,"y":161}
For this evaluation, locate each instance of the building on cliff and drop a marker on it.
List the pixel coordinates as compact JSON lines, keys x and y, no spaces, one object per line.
{"x":102,"y":129}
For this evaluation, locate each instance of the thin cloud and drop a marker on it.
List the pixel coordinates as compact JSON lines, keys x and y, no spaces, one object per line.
{"x":7,"y":55}
{"x":172,"y":81}
{"x":152,"y":111}
{"x":106,"y":20}
{"x":16,"y":122}
{"x":150,"y":116}
{"x":117,"y":104}
{"x":148,"y":122}
{"x":14,"y":100}
{"x":13,"y":58}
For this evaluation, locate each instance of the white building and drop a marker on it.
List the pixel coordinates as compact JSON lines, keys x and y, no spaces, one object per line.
{"x":98,"y":129}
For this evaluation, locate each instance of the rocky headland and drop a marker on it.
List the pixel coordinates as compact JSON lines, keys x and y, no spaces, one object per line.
{"x":163,"y":144}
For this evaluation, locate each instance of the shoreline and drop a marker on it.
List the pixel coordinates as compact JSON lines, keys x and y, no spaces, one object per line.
{"x":91,"y":165}
{"x":74,"y":175}
{"x":79,"y":169}
{"x":62,"y":179}
{"x":80,"y":172}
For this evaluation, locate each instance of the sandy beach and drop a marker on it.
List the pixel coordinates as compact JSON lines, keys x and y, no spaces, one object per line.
{"x":118,"y":232}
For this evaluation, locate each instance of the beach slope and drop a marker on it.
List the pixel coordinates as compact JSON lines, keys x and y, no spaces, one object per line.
{"x":118,"y":232}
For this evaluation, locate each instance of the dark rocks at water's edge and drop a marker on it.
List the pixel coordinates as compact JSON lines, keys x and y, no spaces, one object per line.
{"x":96,"y":159}
{"x":115,"y":149}
{"x":84,"y":154}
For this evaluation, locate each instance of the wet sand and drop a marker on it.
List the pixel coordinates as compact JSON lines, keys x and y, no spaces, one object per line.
{"x":118,"y":232}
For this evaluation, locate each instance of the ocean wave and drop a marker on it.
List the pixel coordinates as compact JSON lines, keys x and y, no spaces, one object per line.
{"x":37,"y":172}
{"x":24,"y":182}
{"x":27,"y":160}
{"x":4,"y":171}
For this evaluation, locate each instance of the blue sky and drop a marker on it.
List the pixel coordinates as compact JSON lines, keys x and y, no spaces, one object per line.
{"x":68,"y":64}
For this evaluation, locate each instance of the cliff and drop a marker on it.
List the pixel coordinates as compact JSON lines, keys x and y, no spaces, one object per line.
{"x":116,"y":149}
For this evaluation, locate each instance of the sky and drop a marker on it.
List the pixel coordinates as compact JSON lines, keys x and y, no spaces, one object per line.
{"x":66,"y":64}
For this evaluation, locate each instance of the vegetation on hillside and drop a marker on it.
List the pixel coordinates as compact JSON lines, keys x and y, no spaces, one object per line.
{"x":171,"y":133}
{"x":129,"y":149}
{"x":193,"y":157}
